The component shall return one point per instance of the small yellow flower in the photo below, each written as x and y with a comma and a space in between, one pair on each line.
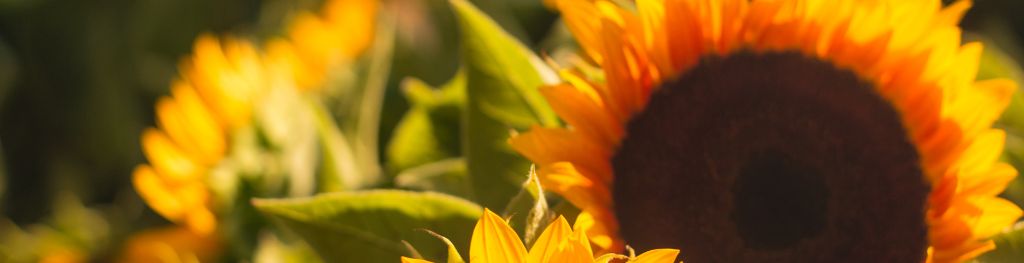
494, 241
219, 88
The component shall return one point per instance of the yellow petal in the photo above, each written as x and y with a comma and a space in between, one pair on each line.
171, 121
652, 15
998, 214
184, 202
983, 152
980, 172
494, 241
658, 256
564, 179
247, 67
315, 41
581, 18
282, 52
610, 257
547, 244
219, 82
622, 70
599, 232
167, 158
201, 126
354, 17
684, 35
951, 15
201, 220
584, 114
966, 65
995, 94
549, 145
989, 182
574, 249
156, 193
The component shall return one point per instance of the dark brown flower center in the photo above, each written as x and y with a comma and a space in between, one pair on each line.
771, 158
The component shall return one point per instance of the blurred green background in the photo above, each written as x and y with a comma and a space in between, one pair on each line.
79, 78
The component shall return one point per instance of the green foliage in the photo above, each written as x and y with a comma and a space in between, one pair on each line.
357, 110
425, 149
446, 176
429, 131
72, 227
502, 77
338, 170
373, 226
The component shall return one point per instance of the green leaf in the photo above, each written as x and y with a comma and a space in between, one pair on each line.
366, 142
370, 226
429, 131
338, 170
1009, 247
357, 103
502, 78
446, 176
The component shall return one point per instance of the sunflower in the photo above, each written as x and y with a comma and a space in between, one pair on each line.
216, 95
494, 241
779, 130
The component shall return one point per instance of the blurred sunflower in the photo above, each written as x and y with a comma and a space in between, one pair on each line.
220, 87
494, 241
780, 130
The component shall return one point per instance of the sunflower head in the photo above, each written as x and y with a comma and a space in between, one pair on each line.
494, 241
221, 86
786, 130
214, 96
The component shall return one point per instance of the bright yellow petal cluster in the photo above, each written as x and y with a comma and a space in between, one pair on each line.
910, 49
494, 241
316, 43
216, 94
